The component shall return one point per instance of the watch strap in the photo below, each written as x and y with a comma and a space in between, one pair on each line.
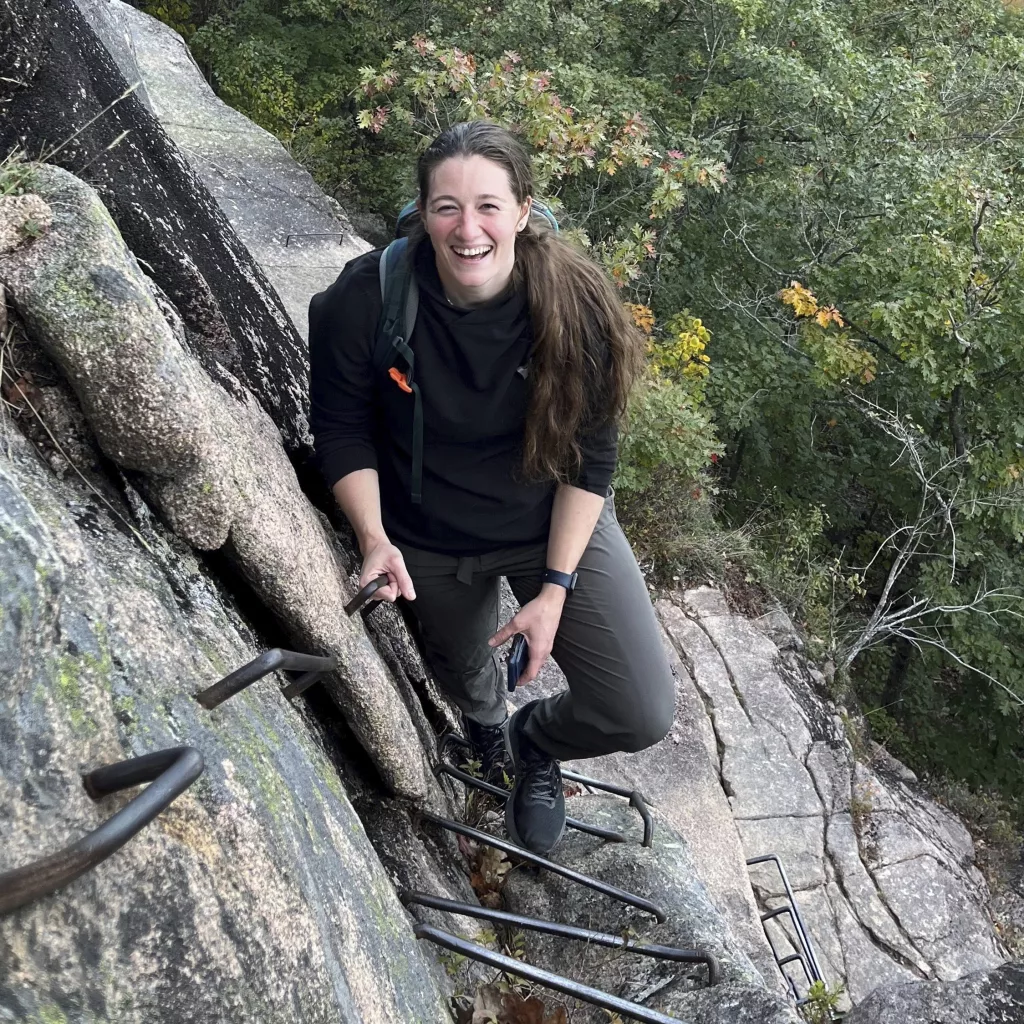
560, 579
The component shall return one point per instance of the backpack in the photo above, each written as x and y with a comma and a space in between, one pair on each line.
399, 302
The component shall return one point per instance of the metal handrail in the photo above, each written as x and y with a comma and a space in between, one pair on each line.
574, 876
566, 931
537, 974
168, 772
273, 660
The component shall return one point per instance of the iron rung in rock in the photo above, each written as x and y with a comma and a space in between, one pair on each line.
536, 974
806, 956
566, 931
574, 876
168, 772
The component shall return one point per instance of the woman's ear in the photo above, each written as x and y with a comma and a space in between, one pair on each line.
525, 218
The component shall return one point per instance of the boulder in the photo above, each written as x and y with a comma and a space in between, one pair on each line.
214, 466
985, 997
63, 97
257, 895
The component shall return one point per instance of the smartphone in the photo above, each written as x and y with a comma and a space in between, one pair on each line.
517, 659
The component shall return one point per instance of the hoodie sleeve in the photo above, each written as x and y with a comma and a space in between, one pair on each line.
600, 450
342, 331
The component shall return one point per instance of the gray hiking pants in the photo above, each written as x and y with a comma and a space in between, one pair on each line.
621, 692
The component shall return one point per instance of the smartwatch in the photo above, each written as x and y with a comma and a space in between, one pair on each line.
560, 579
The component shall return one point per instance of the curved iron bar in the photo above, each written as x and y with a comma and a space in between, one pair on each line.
270, 661
366, 593
536, 974
566, 931
574, 876
503, 794
803, 935
168, 772
635, 797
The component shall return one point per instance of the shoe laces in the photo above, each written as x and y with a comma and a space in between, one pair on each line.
542, 779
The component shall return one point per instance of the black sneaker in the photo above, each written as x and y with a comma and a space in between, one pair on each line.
535, 812
487, 745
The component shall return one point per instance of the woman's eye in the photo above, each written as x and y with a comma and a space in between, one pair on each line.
444, 209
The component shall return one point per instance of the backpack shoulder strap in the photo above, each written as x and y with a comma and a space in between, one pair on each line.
399, 304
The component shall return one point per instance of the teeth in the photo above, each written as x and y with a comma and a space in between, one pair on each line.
478, 251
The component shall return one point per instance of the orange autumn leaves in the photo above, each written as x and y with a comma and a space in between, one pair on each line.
822, 334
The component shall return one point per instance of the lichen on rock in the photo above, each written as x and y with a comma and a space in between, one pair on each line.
22, 218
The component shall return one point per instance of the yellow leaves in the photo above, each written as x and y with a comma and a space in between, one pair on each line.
642, 316
800, 299
682, 353
836, 356
1013, 472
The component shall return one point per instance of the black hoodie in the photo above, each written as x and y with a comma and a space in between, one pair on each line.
471, 367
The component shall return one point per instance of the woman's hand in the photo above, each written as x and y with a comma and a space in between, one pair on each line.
381, 557
538, 621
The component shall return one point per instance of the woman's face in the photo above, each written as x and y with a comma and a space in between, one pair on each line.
472, 218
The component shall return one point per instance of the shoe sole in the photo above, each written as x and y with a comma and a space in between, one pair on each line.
510, 827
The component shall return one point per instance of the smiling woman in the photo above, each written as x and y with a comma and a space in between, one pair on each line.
524, 360
473, 232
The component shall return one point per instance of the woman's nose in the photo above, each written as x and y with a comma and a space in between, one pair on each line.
468, 224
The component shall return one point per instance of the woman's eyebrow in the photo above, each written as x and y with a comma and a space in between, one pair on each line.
452, 199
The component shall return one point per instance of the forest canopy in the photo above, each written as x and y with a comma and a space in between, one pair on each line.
814, 211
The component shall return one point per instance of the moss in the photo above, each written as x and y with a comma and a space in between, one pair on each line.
48, 1015
249, 746
71, 671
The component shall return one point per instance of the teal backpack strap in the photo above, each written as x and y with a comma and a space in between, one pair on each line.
399, 304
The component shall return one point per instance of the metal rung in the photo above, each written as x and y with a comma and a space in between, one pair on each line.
536, 974
168, 772
635, 797
806, 957
566, 931
273, 660
503, 794
574, 876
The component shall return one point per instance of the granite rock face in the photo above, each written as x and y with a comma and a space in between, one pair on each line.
300, 238
257, 895
993, 997
884, 876
214, 466
665, 874
55, 77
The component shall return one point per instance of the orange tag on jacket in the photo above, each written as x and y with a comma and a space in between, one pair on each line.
399, 378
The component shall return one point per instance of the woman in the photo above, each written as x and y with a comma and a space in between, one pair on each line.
524, 359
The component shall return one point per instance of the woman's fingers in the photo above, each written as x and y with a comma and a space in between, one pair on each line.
387, 559
508, 630
537, 659
402, 577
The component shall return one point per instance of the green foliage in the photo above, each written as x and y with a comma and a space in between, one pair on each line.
822, 1003
834, 190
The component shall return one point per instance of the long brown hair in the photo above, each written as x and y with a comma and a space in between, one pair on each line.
586, 350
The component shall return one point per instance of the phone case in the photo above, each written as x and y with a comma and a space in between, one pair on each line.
517, 659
